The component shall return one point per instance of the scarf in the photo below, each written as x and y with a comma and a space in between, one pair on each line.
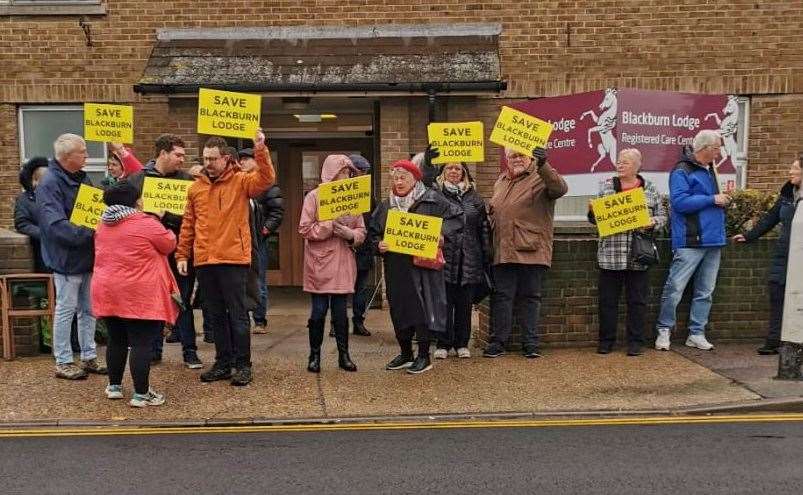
404, 203
458, 189
116, 213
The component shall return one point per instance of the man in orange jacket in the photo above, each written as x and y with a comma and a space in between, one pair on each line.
215, 233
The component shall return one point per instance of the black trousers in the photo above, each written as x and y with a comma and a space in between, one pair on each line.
458, 322
139, 335
777, 293
404, 336
636, 285
223, 290
519, 283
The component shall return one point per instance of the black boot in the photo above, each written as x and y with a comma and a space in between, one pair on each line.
342, 338
315, 341
359, 329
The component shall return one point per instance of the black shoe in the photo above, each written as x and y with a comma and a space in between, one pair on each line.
420, 365
172, 338
314, 365
400, 362
242, 376
493, 351
192, 362
531, 353
767, 350
634, 349
604, 348
359, 329
156, 359
216, 373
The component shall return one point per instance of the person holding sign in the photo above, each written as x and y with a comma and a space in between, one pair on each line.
617, 268
416, 294
330, 269
215, 233
698, 234
69, 250
521, 211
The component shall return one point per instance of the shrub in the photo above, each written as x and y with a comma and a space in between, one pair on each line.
747, 206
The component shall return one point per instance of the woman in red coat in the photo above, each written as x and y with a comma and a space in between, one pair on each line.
132, 288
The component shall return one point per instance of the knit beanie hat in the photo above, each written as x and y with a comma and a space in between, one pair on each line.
408, 166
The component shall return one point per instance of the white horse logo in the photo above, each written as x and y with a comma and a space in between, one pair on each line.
727, 128
606, 121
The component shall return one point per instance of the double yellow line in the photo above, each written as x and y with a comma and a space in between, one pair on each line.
409, 425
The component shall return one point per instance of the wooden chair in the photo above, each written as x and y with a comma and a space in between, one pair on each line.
9, 312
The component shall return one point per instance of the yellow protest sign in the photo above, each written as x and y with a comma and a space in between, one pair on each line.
621, 212
457, 141
224, 113
520, 132
88, 207
411, 233
344, 197
160, 194
109, 123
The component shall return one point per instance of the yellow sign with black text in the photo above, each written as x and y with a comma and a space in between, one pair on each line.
160, 194
344, 197
520, 132
414, 234
621, 212
109, 123
225, 113
88, 207
457, 141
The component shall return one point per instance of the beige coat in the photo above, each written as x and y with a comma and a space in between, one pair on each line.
521, 213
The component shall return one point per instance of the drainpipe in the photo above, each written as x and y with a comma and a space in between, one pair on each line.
431, 105
790, 356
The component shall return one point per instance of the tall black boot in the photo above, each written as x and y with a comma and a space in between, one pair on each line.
342, 339
315, 341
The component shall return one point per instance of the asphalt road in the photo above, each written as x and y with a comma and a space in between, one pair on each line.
676, 459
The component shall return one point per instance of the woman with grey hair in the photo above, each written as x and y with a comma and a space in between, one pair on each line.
617, 266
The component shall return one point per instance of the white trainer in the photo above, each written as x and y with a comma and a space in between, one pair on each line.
662, 341
114, 391
463, 352
700, 342
441, 353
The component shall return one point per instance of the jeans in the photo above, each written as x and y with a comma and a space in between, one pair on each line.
458, 322
223, 288
519, 283
138, 335
703, 265
320, 305
636, 284
362, 292
777, 294
73, 297
261, 311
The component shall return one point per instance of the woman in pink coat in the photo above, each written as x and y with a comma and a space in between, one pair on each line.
329, 266
132, 288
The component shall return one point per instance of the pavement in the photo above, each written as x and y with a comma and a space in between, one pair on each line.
573, 381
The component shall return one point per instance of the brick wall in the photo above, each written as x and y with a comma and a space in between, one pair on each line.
569, 306
16, 257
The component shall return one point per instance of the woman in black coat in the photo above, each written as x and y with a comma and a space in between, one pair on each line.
468, 258
26, 218
416, 296
782, 212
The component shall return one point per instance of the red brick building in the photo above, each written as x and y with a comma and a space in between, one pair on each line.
382, 68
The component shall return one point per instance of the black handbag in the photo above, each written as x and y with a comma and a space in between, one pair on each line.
643, 249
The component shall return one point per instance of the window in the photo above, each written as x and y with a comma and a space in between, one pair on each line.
51, 7
41, 125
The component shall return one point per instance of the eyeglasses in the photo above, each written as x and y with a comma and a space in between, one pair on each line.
209, 159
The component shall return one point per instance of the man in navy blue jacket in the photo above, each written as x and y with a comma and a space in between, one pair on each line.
698, 234
69, 250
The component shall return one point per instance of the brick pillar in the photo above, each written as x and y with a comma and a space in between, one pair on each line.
16, 256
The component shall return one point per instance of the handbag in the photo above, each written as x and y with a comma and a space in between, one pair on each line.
430, 264
643, 249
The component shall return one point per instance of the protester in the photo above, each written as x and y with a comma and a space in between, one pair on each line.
26, 217
114, 171
132, 288
69, 251
167, 164
216, 234
468, 259
698, 234
121, 163
268, 211
329, 266
782, 212
416, 295
617, 268
521, 212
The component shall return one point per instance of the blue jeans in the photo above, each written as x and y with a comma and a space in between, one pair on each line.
73, 296
703, 265
260, 314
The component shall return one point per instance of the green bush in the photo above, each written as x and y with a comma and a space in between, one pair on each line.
747, 206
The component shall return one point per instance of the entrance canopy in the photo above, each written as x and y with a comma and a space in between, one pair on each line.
305, 60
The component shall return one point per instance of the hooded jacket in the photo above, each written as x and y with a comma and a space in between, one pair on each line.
66, 248
26, 218
329, 264
696, 221
132, 278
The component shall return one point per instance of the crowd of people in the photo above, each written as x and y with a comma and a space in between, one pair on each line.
143, 273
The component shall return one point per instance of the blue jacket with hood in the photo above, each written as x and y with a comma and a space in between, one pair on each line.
697, 222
